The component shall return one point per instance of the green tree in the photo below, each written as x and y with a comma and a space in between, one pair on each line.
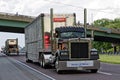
114, 24
102, 46
102, 22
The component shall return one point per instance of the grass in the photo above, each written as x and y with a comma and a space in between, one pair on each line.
114, 59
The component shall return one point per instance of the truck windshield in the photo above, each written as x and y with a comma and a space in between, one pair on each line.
72, 35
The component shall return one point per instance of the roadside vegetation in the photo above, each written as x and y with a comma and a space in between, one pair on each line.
106, 49
114, 59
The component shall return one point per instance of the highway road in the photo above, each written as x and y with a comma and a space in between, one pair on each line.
11, 69
15, 68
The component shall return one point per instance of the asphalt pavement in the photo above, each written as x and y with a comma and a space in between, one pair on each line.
15, 68
11, 69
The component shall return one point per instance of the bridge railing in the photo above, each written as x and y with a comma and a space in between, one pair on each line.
16, 17
15, 14
104, 29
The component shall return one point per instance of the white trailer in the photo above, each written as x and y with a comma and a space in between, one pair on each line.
34, 32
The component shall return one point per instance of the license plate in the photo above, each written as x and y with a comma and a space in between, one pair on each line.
79, 63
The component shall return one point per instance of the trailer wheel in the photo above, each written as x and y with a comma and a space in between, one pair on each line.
94, 70
17, 54
42, 62
28, 61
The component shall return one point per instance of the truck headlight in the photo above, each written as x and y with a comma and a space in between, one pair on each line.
94, 51
64, 53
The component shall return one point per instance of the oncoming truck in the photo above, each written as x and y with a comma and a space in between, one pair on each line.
58, 45
11, 47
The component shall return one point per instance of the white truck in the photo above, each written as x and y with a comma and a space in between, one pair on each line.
11, 47
63, 45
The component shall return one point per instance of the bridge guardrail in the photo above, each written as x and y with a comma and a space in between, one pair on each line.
16, 17
16, 14
103, 29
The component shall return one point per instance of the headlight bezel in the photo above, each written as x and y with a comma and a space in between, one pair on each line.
64, 53
94, 51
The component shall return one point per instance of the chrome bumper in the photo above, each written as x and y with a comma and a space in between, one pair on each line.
78, 65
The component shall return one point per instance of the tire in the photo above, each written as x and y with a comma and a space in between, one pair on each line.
28, 61
94, 70
8, 54
59, 71
42, 62
17, 54
26, 55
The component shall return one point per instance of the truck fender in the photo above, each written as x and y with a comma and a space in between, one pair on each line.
46, 58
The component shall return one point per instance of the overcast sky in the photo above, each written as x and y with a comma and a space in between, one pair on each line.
97, 9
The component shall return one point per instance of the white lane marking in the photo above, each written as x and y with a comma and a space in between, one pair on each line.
105, 73
35, 70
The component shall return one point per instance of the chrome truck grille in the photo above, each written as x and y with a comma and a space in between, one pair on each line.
79, 50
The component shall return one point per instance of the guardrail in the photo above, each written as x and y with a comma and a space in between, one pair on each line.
16, 16
104, 29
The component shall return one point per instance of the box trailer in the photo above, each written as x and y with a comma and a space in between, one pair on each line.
60, 44
35, 31
11, 47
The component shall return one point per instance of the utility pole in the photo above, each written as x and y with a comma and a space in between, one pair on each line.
74, 24
51, 20
85, 21
92, 31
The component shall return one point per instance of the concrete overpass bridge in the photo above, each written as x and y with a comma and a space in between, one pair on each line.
16, 23
104, 34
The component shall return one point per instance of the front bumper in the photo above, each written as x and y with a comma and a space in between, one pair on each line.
78, 65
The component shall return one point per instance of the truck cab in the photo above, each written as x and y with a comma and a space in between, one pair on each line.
72, 51
11, 47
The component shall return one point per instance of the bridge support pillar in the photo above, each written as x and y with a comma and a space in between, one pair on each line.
115, 49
